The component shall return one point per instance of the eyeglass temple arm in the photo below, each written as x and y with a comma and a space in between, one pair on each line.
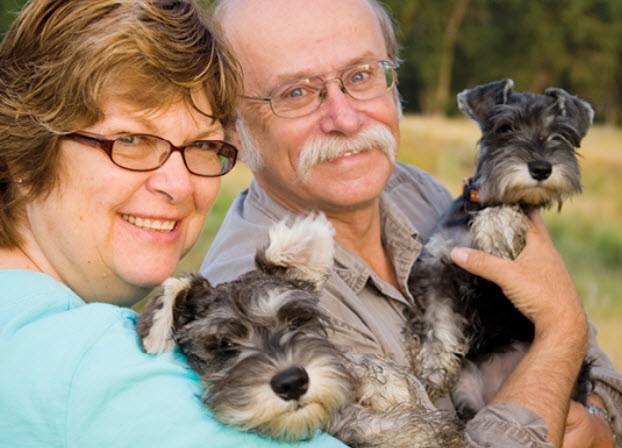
257, 98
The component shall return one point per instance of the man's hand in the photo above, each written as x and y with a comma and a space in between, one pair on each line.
585, 430
539, 285
537, 282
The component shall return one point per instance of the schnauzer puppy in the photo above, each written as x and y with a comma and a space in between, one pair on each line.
260, 345
468, 330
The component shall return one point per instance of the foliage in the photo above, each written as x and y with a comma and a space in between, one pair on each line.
573, 44
8, 11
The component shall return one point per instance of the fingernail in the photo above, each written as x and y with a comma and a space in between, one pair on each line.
459, 255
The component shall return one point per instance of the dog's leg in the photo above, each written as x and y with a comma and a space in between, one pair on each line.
437, 345
381, 384
499, 231
468, 394
399, 427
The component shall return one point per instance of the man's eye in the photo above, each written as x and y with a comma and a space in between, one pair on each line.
295, 93
359, 77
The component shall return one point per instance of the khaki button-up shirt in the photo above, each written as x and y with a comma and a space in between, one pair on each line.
368, 313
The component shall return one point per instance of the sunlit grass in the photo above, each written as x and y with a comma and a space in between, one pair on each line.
587, 232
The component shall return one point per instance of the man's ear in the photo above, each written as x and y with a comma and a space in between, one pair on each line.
250, 152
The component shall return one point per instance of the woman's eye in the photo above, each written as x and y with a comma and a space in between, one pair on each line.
205, 145
128, 139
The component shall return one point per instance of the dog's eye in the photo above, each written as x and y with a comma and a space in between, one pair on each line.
300, 321
504, 129
227, 348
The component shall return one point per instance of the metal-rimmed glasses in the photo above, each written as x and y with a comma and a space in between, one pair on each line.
298, 97
144, 152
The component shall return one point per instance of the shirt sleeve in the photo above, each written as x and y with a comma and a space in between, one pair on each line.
512, 425
607, 384
507, 425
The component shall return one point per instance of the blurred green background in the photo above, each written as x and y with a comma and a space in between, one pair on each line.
448, 45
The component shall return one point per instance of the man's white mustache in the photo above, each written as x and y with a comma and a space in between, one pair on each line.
325, 149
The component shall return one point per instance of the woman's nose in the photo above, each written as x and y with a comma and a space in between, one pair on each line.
172, 179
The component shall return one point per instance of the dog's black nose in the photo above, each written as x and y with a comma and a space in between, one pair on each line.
540, 170
291, 383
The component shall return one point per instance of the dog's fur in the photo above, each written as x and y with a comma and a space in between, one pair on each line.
260, 345
469, 336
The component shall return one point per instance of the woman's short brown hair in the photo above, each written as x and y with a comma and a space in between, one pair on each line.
59, 59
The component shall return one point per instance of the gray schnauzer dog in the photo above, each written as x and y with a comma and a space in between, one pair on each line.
260, 344
469, 336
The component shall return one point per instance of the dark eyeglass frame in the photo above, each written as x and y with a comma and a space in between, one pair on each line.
322, 93
107, 144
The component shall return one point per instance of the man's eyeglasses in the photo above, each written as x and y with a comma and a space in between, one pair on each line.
299, 97
142, 152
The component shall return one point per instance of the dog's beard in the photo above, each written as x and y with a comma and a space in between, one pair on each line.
325, 149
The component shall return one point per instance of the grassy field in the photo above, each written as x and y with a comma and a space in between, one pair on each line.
588, 231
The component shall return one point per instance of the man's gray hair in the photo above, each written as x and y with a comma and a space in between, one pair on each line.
251, 154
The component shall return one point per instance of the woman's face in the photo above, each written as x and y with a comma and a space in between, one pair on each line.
106, 231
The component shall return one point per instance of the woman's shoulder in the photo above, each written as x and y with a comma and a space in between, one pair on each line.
45, 332
74, 374
36, 306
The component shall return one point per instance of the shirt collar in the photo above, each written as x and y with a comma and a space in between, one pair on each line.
399, 236
400, 239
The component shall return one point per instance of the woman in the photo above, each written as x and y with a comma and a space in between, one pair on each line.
111, 148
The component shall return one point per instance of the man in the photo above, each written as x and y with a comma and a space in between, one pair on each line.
319, 128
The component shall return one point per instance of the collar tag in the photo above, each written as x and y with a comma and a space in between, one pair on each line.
469, 193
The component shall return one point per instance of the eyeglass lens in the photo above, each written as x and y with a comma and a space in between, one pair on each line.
204, 157
362, 82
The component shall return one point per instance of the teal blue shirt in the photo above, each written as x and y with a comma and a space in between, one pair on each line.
73, 375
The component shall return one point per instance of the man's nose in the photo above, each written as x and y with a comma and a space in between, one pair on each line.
339, 111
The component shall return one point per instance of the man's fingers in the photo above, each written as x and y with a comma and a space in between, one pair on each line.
479, 263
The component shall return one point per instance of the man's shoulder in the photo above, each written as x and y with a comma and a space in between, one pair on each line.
244, 228
410, 178
416, 195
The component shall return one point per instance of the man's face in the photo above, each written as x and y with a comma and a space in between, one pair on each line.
279, 40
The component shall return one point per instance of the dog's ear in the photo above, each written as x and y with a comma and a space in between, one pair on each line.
477, 103
302, 251
579, 112
165, 313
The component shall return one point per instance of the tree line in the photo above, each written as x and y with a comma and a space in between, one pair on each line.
449, 45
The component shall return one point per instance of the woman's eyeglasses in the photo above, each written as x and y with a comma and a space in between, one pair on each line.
143, 152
